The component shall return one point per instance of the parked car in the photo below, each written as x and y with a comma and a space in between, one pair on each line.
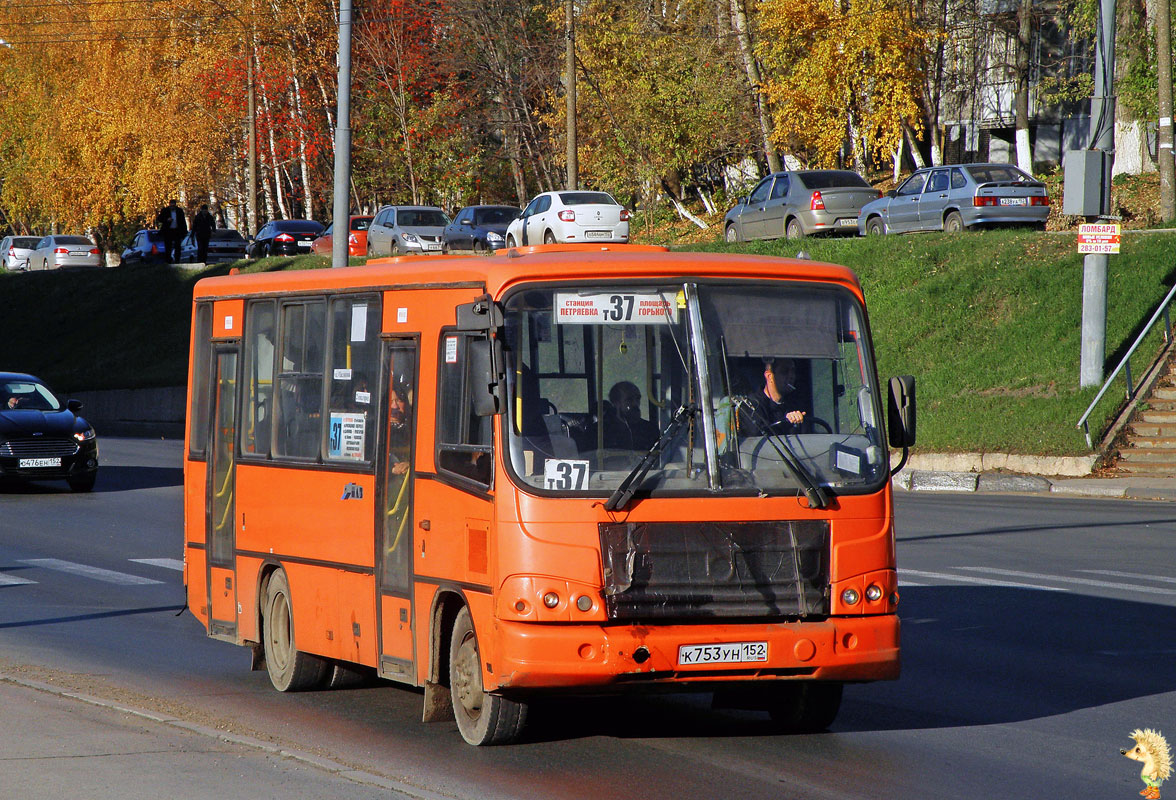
42, 437
224, 245
15, 251
57, 251
570, 216
401, 230
479, 228
284, 237
953, 198
356, 238
797, 203
145, 248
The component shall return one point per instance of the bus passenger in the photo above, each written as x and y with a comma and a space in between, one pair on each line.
777, 407
624, 427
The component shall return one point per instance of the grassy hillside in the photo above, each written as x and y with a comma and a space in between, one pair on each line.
989, 323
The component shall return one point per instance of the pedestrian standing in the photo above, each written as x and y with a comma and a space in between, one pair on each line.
174, 226
202, 226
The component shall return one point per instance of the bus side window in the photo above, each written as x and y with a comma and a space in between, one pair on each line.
298, 417
464, 440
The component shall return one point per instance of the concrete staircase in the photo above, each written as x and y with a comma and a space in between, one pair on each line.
1148, 448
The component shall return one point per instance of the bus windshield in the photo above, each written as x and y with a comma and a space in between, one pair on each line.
747, 388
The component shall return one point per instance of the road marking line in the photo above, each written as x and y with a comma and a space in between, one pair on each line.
1113, 574
1128, 587
166, 563
12, 580
98, 574
982, 581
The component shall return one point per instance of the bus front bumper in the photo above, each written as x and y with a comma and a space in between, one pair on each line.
592, 657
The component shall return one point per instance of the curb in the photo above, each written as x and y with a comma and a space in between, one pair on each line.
909, 481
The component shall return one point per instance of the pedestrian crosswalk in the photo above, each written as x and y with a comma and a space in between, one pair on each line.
27, 571
1081, 580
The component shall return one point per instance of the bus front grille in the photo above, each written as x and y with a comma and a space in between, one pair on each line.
695, 570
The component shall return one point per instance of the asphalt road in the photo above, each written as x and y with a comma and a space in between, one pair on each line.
1036, 636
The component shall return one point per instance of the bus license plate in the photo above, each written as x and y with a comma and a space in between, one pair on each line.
27, 463
726, 653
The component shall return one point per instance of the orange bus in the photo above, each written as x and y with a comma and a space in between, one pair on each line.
564, 468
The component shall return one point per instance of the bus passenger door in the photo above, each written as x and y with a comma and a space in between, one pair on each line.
394, 526
221, 525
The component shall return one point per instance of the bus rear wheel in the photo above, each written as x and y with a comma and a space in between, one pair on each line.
805, 706
290, 669
482, 718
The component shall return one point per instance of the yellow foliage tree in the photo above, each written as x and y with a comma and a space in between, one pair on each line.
836, 73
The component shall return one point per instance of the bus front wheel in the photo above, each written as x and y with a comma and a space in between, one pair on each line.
482, 718
290, 669
805, 706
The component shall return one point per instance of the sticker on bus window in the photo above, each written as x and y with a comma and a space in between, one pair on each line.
359, 322
628, 308
342, 374
565, 474
346, 439
363, 397
450, 349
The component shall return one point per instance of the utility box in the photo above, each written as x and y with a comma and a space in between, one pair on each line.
1087, 190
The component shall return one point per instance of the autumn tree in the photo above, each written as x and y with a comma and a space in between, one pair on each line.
841, 77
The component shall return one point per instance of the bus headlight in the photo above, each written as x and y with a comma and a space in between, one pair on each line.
551, 599
850, 597
873, 592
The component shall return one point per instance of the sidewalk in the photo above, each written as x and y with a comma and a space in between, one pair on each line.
61, 744
1004, 474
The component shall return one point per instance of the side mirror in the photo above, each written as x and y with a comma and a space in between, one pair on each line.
74, 405
487, 384
892, 193
900, 412
467, 221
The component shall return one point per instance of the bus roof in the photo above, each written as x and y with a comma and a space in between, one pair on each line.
527, 264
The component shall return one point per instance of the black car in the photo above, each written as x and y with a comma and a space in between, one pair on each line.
43, 438
284, 237
478, 228
146, 248
225, 244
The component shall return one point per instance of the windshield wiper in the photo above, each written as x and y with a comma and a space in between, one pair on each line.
624, 493
808, 484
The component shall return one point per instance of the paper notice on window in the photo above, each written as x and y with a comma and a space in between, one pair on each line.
450, 349
346, 440
359, 322
609, 308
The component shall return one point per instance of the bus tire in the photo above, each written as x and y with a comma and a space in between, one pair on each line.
482, 718
290, 669
805, 706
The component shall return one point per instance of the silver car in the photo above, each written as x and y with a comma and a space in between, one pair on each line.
15, 251
404, 230
57, 251
798, 203
954, 198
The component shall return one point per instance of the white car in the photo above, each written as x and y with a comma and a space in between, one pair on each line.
570, 216
56, 251
15, 250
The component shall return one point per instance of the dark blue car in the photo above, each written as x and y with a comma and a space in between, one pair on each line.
43, 437
478, 228
145, 248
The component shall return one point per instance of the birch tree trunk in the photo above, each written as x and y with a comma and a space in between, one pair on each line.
743, 34
1021, 97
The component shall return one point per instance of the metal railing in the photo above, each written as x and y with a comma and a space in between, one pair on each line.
1125, 366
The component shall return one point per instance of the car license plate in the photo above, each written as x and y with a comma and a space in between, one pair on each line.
304, 244
79, 253
1014, 201
845, 222
432, 246
597, 234
725, 653
28, 463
